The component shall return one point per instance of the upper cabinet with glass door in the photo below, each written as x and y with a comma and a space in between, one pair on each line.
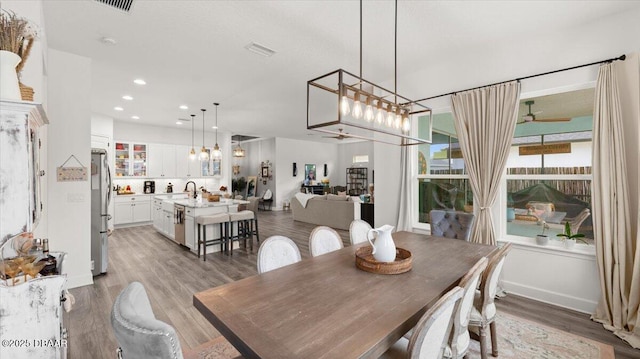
130, 159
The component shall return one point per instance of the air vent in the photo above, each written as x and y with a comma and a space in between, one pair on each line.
122, 5
241, 138
260, 49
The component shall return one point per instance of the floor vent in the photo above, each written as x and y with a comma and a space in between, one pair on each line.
122, 5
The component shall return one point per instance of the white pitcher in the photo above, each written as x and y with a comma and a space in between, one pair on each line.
384, 250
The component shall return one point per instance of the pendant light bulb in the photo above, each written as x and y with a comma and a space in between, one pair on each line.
357, 107
390, 116
368, 111
344, 102
192, 153
406, 122
204, 156
380, 113
397, 121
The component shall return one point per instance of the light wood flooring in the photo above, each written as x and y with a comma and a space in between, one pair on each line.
171, 275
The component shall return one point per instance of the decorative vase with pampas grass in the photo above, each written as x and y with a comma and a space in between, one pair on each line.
17, 36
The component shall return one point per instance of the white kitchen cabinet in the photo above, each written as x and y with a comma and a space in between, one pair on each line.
130, 159
190, 236
132, 209
162, 160
168, 224
157, 214
20, 172
185, 167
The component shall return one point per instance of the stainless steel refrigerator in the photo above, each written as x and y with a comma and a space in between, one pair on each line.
100, 198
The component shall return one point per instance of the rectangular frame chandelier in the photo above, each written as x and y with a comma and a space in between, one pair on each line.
346, 105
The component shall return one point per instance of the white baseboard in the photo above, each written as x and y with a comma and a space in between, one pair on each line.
545, 296
79, 280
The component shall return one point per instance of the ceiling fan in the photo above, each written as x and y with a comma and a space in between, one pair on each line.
341, 136
531, 116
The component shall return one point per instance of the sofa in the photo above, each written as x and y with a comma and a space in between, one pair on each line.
327, 210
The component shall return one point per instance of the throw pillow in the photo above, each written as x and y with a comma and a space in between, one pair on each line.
342, 193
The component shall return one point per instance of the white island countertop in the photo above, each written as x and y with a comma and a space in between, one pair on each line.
206, 204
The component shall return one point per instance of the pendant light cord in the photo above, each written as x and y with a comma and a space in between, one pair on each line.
360, 44
203, 110
395, 55
193, 118
216, 122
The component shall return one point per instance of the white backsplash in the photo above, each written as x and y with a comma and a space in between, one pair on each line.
137, 184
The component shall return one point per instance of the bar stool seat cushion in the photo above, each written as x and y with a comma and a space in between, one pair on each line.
212, 219
241, 216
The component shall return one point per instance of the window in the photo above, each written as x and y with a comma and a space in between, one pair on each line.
361, 159
548, 174
442, 181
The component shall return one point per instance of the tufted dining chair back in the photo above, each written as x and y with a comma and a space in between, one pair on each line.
451, 224
139, 334
276, 252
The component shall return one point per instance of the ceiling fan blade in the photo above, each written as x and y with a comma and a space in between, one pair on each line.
565, 119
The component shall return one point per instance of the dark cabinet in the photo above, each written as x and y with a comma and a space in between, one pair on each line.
367, 213
357, 181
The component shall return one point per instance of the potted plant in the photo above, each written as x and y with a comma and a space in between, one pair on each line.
16, 40
542, 239
570, 238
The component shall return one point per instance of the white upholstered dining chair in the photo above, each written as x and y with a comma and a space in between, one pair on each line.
276, 252
323, 240
483, 313
430, 335
358, 231
138, 332
460, 339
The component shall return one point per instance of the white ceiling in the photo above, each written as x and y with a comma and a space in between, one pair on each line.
192, 52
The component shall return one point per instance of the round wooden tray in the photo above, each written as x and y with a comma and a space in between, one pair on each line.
366, 262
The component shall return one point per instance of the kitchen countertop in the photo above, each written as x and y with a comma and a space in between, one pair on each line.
205, 204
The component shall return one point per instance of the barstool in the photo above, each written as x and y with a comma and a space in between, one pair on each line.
203, 221
247, 224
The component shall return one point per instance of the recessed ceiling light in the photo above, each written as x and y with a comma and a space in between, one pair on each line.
184, 107
127, 97
139, 82
214, 127
118, 108
178, 122
135, 117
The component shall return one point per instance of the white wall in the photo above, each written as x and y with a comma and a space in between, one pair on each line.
387, 186
346, 151
301, 152
69, 133
256, 152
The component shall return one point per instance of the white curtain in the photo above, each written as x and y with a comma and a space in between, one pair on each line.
406, 202
617, 250
485, 120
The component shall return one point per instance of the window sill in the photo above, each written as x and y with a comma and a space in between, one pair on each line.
555, 247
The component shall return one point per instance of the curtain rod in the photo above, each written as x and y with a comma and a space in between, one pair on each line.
621, 58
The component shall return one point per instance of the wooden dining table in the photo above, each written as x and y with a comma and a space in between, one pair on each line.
325, 307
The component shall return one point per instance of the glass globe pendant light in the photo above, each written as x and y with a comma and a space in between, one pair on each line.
216, 153
204, 156
192, 153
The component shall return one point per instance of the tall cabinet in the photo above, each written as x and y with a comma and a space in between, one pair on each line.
20, 172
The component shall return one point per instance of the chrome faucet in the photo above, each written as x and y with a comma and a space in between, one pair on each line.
195, 192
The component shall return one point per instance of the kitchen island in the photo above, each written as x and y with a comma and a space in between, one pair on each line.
183, 228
